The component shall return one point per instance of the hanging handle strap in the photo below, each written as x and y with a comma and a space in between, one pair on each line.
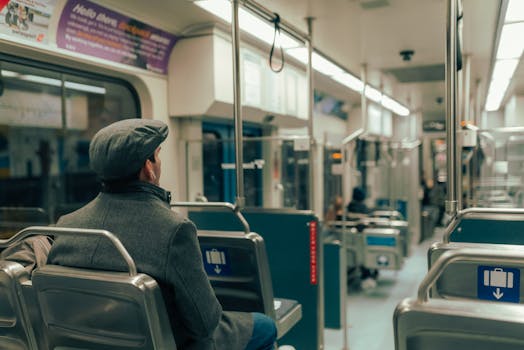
276, 22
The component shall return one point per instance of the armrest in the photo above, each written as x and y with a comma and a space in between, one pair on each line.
287, 312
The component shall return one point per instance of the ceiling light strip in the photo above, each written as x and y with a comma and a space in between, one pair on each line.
508, 54
262, 30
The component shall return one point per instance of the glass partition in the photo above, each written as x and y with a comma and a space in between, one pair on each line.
494, 170
275, 171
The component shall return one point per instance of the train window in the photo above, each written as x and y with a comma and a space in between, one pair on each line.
212, 151
219, 164
276, 169
48, 117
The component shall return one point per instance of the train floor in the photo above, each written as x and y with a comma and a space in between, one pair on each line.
370, 313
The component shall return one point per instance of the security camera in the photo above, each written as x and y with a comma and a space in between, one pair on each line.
407, 54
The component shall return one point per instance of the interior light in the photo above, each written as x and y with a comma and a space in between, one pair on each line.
394, 106
336, 155
510, 42
220, 8
248, 22
264, 31
496, 92
504, 69
373, 94
86, 88
55, 82
325, 66
41, 80
515, 11
9, 74
299, 53
350, 81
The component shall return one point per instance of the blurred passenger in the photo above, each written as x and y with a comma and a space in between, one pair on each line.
164, 245
427, 186
335, 210
368, 277
357, 204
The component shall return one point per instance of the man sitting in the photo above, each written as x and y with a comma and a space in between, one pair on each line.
163, 244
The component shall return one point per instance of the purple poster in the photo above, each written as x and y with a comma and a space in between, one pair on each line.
97, 31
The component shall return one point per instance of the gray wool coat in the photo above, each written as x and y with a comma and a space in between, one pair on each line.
164, 246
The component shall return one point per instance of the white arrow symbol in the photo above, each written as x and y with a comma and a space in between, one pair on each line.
498, 294
218, 269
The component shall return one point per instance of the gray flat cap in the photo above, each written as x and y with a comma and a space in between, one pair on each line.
119, 150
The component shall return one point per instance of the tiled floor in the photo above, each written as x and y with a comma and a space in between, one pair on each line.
370, 314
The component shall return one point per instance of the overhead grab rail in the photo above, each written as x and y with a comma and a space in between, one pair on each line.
224, 205
265, 13
465, 255
72, 232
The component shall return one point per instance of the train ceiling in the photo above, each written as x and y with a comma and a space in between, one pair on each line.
372, 31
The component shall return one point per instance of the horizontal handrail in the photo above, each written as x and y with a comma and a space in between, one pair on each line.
72, 232
224, 205
352, 136
472, 211
467, 255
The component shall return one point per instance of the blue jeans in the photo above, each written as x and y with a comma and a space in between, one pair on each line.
264, 333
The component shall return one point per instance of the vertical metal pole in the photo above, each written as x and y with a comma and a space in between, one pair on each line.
363, 98
311, 92
312, 185
465, 116
237, 106
467, 88
451, 105
478, 93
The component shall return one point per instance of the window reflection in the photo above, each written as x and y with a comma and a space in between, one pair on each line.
47, 119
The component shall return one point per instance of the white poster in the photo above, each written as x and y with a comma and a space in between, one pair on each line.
26, 19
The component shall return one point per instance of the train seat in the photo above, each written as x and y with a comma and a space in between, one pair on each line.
16, 328
374, 244
238, 269
400, 225
487, 225
383, 248
460, 323
388, 214
91, 309
465, 279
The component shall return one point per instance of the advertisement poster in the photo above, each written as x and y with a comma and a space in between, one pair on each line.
27, 19
97, 31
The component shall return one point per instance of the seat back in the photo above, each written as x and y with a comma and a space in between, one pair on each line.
401, 225
431, 324
487, 225
476, 280
383, 248
238, 269
90, 309
94, 309
452, 324
16, 329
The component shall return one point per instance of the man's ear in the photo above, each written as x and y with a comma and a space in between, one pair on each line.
147, 173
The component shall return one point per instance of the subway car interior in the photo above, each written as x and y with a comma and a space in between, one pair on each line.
354, 168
